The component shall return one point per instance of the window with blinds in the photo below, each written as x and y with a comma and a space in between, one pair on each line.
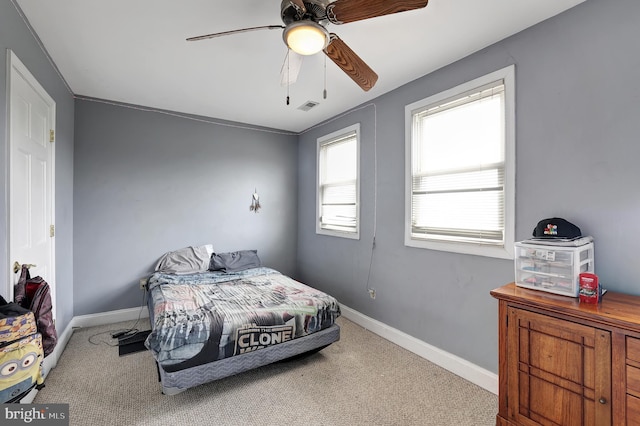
460, 169
338, 183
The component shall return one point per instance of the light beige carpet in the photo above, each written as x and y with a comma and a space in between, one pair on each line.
360, 380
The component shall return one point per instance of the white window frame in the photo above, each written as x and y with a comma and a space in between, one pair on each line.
328, 139
504, 250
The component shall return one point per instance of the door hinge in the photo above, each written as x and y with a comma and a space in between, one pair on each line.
52, 135
52, 231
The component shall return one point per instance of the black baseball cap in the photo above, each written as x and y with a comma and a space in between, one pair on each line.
556, 228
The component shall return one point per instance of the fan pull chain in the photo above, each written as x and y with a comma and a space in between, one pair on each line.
288, 77
324, 92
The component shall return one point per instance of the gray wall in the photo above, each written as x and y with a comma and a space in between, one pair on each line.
15, 35
149, 182
578, 120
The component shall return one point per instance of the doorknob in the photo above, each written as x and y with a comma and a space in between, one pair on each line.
17, 266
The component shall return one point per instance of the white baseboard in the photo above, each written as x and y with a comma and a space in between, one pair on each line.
52, 359
28, 398
110, 317
459, 366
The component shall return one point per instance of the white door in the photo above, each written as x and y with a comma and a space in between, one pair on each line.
31, 176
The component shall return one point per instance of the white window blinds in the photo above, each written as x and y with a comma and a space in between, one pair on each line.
458, 168
338, 183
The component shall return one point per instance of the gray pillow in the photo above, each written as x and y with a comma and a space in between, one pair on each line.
234, 261
186, 260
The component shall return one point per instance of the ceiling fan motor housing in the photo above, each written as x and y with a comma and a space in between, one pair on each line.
315, 11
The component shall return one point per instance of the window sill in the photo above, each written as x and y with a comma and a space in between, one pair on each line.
477, 249
348, 235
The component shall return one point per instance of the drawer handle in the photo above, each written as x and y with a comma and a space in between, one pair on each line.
602, 401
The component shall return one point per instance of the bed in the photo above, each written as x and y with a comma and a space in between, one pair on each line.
210, 324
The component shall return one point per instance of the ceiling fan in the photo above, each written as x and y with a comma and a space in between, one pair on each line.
305, 31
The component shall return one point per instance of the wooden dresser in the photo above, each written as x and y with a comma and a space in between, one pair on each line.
566, 363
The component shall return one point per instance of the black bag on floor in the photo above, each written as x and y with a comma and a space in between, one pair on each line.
21, 353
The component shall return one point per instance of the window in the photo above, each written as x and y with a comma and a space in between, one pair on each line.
338, 208
460, 168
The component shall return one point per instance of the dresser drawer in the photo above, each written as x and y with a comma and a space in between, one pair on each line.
633, 349
633, 380
633, 410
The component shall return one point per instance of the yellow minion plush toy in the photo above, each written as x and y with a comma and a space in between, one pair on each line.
20, 367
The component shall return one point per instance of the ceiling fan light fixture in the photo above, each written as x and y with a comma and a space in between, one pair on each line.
305, 37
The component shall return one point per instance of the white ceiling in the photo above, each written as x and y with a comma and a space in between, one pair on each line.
135, 52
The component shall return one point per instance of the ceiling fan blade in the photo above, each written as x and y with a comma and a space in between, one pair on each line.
290, 68
344, 11
242, 30
350, 63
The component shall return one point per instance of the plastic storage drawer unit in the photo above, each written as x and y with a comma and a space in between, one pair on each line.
555, 269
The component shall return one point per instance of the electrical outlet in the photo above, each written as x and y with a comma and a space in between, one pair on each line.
372, 293
143, 283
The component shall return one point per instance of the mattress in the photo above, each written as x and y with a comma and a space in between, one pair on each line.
201, 319
176, 382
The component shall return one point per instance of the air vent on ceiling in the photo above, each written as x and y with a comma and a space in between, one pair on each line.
308, 105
